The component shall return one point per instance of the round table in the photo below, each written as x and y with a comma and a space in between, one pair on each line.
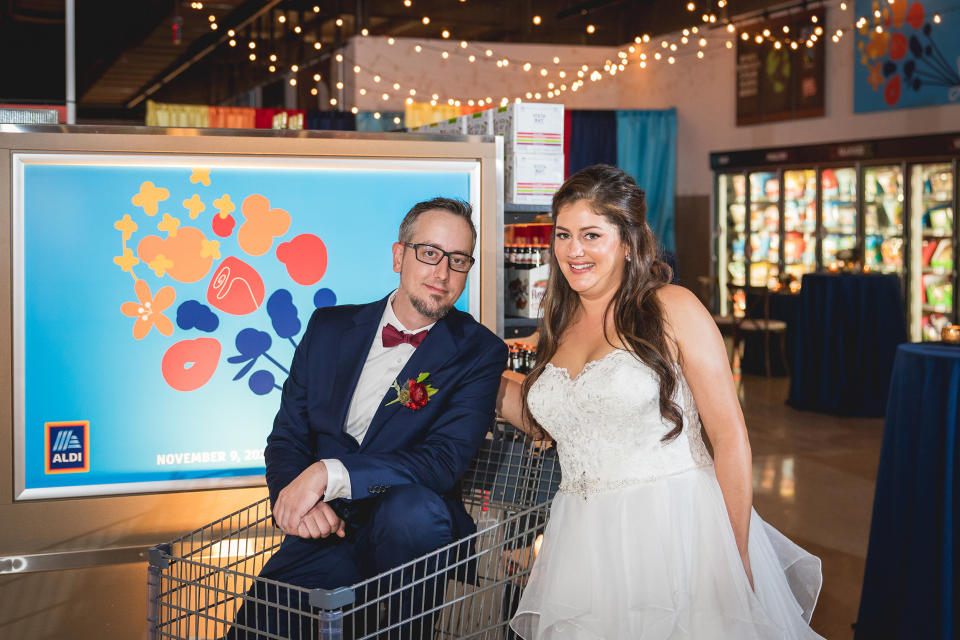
846, 335
911, 585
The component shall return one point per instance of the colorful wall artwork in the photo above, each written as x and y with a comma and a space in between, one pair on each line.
158, 303
907, 54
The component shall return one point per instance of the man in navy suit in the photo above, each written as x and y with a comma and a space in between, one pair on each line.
361, 484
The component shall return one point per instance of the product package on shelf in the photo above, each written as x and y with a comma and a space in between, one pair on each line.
530, 127
532, 178
481, 123
452, 126
524, 289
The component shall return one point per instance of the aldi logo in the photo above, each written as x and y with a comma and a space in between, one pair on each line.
67, 447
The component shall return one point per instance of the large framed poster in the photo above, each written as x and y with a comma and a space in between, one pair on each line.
780, 77
907, 54
158, 300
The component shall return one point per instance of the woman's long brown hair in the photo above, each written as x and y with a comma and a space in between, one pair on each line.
637, 313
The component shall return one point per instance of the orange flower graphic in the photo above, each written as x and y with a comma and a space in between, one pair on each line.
148, 310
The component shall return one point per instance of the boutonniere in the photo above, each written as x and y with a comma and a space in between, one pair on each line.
415, 393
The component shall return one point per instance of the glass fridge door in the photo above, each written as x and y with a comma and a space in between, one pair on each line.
764, 228
883, 218
931, 260
732, 213
799, 222
839, 188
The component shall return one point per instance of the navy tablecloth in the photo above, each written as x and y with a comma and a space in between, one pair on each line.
785, 307
847, 331
911, 586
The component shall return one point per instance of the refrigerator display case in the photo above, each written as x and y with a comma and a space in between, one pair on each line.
887, 204
839, 227
883, 218
932, 209
764, 228
799, 222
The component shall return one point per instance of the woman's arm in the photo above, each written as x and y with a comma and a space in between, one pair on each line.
705, 366
510, 404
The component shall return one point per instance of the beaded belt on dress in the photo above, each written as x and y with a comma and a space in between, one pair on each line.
585, 486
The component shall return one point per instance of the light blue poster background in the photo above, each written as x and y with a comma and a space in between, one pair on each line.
81, 360
914, 61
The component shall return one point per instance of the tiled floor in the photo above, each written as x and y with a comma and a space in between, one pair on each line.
814, 477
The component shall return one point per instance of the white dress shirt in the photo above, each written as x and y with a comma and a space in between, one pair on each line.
380, 369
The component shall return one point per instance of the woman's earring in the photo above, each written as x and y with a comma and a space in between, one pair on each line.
628, 257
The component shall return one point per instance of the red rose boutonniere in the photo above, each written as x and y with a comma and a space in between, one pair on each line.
415, 393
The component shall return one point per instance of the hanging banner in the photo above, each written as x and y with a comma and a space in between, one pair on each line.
158, 301
780, 69
907, 56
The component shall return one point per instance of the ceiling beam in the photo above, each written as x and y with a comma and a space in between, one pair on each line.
242, 16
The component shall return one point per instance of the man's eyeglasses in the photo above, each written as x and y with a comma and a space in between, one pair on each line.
429, 254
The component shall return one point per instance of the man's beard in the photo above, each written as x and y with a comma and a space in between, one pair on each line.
427, 311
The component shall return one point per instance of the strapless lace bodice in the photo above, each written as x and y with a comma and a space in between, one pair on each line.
607, 424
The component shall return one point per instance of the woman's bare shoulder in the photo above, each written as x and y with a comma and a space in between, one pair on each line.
683, 311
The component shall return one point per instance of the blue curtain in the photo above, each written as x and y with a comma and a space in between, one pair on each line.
593, 139
647, 150
335, 120
366, 121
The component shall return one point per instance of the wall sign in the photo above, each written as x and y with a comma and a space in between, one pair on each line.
909, 56
781, 83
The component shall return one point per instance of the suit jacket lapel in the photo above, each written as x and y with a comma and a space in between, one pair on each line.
439, 346
354, 346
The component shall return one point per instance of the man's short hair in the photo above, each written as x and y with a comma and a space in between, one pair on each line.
456, 207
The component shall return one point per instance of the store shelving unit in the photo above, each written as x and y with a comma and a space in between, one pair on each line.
795, 210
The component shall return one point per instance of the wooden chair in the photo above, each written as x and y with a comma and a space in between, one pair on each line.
709, 287
753, 319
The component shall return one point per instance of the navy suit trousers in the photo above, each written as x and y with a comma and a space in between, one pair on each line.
384, 532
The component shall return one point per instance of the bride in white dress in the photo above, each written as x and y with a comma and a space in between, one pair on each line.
648, 537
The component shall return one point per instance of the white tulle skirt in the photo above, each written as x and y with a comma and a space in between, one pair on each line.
658, 561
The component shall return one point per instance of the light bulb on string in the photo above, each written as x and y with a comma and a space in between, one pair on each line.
591, 28
396, 120
297, 29
417, 48
314, 91
317, 45
339, 22
293, 82
425, 20
391, 41
472, 58
339, 57
333, 101
463, 44
536, 19
444, 34
363, 32
396, 86
316, 77
340, 85
282, 18
363, 92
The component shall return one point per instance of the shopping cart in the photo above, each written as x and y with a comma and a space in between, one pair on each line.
197, 583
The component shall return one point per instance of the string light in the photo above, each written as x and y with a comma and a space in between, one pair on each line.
536, 19
591, 28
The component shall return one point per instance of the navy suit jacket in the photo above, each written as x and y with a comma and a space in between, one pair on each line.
432, 446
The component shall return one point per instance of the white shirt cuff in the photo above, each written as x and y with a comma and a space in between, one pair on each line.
338, 480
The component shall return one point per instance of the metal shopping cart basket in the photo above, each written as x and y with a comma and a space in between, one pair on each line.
197, 583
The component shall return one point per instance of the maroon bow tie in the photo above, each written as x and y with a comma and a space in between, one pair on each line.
393, 336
